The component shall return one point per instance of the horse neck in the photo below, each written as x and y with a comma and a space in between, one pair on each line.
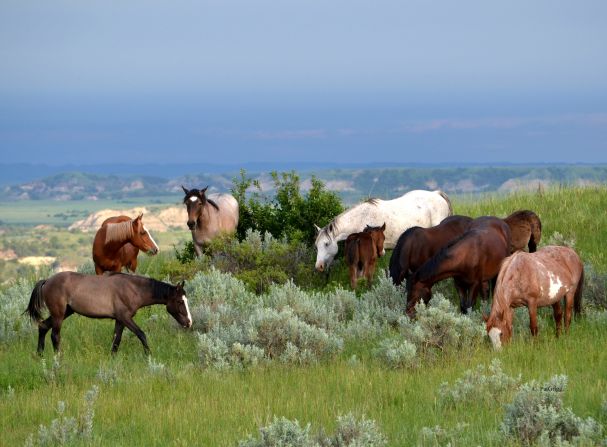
348, 222
115, 245
432, 272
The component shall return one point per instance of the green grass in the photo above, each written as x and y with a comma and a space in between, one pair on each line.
64, 213
186, 405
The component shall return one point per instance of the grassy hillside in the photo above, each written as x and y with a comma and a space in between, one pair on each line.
177, 399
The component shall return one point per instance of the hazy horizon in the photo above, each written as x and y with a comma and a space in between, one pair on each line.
320, 82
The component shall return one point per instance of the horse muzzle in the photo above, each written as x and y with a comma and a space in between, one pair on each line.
153, 251
191, 224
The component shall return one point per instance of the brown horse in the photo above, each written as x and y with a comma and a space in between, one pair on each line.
525, 230
117, 244
471, 260
209, 216
535, 280
416, 245
113, 295
362, 250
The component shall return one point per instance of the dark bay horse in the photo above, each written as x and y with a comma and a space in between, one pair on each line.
117, 244
525, 230
361, 252
471, 259
209, 216
113, 295
534, 280
416, 245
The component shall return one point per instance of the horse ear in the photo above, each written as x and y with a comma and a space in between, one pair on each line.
318, 229
181, 284
202, 191
185, 190
383, 227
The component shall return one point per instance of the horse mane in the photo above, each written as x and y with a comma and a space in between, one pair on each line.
212, 202
498, 294
372, 201
118, 232
161, 289
195, 193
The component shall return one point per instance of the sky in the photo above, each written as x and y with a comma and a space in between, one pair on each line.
351, 81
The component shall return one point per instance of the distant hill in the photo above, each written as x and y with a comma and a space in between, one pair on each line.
351, 183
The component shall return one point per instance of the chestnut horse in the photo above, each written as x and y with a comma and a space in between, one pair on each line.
525, 230
209, 216
362, 250
416, 245
471, 259
113, 295
535, 280
117, 244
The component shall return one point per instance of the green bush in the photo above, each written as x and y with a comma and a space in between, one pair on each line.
288, 214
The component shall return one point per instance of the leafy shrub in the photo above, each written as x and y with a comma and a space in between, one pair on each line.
537, 415
65, 430
13, 301
397, 353
439, 327
439, 436
594, 293
350, 432
288, 213
476, 385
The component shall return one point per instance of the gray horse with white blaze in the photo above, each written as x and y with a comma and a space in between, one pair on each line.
209, 216
415, 208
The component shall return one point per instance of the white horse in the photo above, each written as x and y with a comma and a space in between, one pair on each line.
415, 208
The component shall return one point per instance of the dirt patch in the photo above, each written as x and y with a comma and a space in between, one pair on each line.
163, 220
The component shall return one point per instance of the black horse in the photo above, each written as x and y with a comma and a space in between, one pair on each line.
113, 295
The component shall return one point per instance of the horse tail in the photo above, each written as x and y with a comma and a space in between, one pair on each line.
448, 200
36, 304
577, 298
352, 252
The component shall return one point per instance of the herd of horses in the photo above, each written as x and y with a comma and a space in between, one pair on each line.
429, 244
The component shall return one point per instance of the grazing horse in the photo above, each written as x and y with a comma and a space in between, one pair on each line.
421, 208
117, 244
362, 250
416, 245
209, 216
471, 259
113, 295
535, 280
525, 229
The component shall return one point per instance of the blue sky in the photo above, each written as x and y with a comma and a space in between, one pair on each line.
303, 81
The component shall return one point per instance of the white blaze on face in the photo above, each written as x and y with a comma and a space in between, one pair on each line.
494, 335
555, 286
187, 308
151, 238
193, 199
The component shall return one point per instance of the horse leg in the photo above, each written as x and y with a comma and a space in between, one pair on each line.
56, 333
353, 274
98, 270
568, 308
533, 319
43, 328
118, 328
462, 291
370, 270
198, 250
128, 322
558, 316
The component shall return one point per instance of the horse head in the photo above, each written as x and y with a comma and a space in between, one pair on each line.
194, 200
326, 247
142, 239
377, 233
499, 328
416, 291
177, 306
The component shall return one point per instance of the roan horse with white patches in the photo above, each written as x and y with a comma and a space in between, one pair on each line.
117, 244
209, 216
415, 208
535, 280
